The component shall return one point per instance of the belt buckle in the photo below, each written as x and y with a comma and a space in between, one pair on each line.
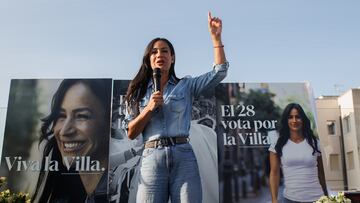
162, 142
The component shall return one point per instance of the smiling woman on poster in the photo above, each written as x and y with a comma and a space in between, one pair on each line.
75, 139
168, 167
297, 152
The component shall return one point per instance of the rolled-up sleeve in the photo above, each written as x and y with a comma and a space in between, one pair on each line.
210, 79
221, 67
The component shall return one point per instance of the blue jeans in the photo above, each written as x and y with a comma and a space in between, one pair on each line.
169, 171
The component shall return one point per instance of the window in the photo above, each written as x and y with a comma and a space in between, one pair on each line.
347, 127
334, 162
330, 127
350, 160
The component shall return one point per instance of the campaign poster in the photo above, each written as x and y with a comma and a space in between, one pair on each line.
125, 154
248, 118
56, 140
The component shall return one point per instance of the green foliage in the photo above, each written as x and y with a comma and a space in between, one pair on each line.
266, 109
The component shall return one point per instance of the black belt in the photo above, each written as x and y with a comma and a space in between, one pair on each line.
166, 141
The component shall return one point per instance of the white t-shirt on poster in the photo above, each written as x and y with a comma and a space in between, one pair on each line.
300, 171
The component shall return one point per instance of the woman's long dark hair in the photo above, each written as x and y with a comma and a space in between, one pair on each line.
101, 88
284, 131
137, 87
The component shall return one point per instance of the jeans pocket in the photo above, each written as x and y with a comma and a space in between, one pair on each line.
184, 147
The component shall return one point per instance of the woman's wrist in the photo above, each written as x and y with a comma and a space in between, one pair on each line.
148, 109
219, 46
216, 41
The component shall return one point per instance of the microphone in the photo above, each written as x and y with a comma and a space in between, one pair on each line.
157, 78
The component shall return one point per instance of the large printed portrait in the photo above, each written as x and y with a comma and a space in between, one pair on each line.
56, 140
248, 120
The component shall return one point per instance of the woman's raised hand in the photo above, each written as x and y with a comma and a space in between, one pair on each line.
215, 27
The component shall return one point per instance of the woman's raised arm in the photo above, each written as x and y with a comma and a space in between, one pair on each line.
215, 29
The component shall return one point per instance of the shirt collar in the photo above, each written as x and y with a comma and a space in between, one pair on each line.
172, 80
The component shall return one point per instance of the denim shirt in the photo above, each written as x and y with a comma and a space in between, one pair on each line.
173, 118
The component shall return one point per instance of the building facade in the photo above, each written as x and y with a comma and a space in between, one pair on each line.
338, 121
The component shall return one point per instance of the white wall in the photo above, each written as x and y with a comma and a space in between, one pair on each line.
328, 109
346, 102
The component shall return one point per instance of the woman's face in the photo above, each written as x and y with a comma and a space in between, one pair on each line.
295, 121
160, 56
81, 122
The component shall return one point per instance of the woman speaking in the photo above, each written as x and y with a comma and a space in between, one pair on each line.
162, 115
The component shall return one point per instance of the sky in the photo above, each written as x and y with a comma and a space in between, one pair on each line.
265, 41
